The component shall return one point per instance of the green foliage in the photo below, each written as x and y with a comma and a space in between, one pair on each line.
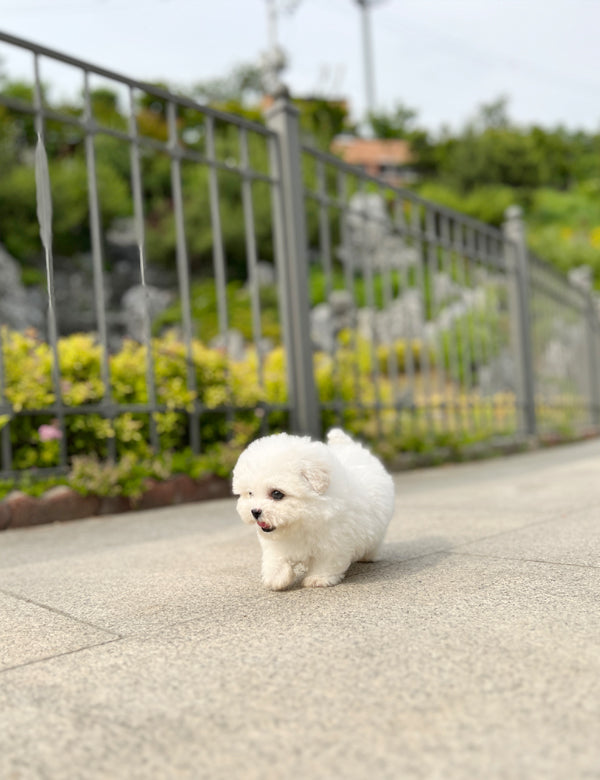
397, 124
321, 119
205, 307
200, 220
486, 203
69, 188
496, 156
403, 356
578, 207
18, 207
205, 311
493, 163
126, 477
564, 227
204, 377
438, 425
33, 486
242, 85
364, 291
480, 170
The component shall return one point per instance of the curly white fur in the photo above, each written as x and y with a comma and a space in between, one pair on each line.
317, 507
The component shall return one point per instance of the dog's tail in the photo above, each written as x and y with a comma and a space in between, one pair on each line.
337, 437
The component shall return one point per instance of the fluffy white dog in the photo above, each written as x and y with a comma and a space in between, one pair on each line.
317, 507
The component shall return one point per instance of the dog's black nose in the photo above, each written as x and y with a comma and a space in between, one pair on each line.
256, 513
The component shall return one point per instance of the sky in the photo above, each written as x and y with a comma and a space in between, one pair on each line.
442, 58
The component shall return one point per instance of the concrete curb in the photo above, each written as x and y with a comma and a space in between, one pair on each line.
19, 510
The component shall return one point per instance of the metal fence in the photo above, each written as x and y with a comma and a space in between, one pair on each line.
335, 298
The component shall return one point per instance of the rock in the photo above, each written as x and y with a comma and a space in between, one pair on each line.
499, 375
367, 214
114, 505
342, 307
5, 515
265, 345
321, 327
232, 343
582, 277
179, 489
563, 360
370, 238
24, 509
182, 489
403, 319
265, 274
56, 505
140, 302
14, 310
185, 489
156, 494
444, 288
122, 245
75, 294
328, 319
211, 487
122, 232
62, 503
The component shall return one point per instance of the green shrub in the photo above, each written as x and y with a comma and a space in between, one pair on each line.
205, 379
231, 398
127, 477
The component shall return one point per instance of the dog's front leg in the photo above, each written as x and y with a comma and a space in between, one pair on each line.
277, 573
324, 574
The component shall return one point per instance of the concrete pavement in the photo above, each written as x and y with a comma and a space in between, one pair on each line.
144, 646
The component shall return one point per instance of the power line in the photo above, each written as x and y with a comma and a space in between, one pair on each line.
463, 48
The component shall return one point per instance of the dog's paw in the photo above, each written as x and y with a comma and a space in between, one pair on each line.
280, 579
321, 580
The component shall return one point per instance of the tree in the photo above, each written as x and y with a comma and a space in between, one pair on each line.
397, 124
243, 85
494, 115
321, 119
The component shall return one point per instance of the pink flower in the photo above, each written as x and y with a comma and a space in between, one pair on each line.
50, 432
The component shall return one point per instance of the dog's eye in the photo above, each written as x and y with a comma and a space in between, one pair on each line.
277, 495
250, 493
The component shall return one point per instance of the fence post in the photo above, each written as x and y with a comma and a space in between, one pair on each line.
592, 327
292, 265
520, 316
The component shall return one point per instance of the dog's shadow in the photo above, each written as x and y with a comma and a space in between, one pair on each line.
399, 560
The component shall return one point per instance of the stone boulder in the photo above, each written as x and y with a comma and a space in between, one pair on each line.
140, 302
15, 310
328, 319
370, 237
403, 319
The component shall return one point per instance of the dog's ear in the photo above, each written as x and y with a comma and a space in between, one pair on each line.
317, 475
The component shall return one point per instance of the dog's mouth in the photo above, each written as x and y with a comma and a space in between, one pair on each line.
265, 526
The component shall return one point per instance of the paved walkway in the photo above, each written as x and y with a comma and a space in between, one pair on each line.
143, 645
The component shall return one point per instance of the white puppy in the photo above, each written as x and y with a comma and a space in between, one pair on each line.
317, 507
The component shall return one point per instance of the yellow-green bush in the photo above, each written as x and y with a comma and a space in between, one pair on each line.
27, 369
231, 398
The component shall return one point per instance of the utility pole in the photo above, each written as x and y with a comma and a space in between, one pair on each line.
274, 60
369, 71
